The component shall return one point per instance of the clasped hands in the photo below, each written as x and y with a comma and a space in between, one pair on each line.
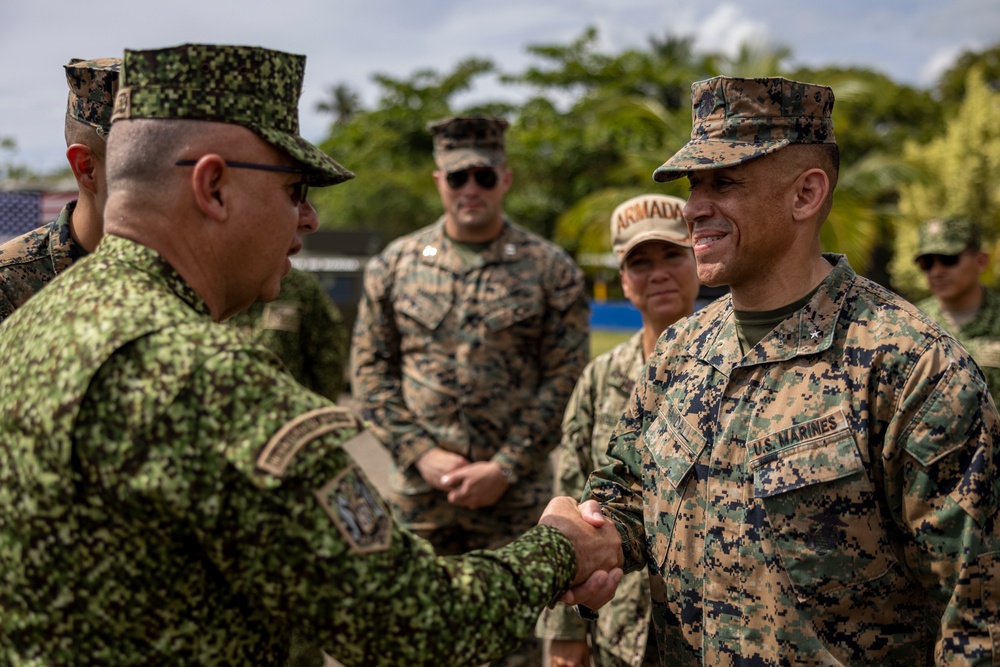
598, 547
470, 485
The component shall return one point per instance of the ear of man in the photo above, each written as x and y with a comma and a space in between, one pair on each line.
210, 187
83, 162
811, 192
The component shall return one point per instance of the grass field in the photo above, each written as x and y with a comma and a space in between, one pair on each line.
602, 340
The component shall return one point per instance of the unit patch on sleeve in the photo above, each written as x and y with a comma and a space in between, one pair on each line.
359, 515
294, 435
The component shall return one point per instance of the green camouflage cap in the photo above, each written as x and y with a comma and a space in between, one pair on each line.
251, 86
736, 120
949, 236
463, 143
92, 88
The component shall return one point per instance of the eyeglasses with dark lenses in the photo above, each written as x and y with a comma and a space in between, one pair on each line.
485, 178
926, 262
300, 190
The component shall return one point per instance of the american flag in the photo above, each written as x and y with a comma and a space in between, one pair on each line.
24, 210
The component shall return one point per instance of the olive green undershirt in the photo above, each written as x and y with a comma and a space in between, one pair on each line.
753, 325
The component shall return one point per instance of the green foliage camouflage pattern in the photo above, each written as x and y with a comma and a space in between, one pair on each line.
169, 495
828, 498
305, 329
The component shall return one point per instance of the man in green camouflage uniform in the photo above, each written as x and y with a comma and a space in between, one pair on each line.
950, 254
305, 329
30, 261
807, 468
168, 493
658, 274
470, 335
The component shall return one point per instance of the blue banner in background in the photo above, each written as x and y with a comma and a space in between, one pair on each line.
615, 316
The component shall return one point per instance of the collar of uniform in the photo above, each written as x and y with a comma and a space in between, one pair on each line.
63, 248
808, 331
438, 250
149, 261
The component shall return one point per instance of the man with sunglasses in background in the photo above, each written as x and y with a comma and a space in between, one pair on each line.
470, 336
950, 254
30, 261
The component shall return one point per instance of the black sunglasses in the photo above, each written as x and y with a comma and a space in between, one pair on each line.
300, 190
485, 178
926, 262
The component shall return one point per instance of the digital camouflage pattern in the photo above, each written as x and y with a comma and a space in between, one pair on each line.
829, 498
304, 329
28, 262
477, 355
735, 120
981, 336
947, 237
250, 86
466, 142
93, 85
169, 495
621, 634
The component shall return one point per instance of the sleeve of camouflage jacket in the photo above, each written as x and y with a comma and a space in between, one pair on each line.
297, 530
324, 342
573, 464
564, 351
376, 369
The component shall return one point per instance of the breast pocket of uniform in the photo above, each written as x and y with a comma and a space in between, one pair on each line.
518, 307
422, 309
821, 507
671, 447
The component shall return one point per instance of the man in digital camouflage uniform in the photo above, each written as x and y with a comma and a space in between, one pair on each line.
807, 468
30, 261
305, 329
658, 274
168, 493
950, 254
470, 336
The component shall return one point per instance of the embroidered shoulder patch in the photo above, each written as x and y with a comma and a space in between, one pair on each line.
360, 516
281, 316
294, 435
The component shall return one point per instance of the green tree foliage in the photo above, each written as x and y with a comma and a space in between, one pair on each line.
960, 172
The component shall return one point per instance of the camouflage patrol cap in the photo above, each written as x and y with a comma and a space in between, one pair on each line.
463, 143
950, 236
92, 88
736, 120
251, 86
648, 218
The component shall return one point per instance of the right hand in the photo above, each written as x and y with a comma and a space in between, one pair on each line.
436, 463
595, 540
569, 653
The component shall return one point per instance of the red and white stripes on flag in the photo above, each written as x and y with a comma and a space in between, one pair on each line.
24, 210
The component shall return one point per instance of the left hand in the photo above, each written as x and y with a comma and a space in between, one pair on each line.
477, 485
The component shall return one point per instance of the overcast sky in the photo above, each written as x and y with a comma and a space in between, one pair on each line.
347, 41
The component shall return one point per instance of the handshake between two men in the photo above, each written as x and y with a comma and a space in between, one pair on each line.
598, 548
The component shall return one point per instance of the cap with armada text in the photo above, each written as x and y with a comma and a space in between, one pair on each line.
648, 218
950, 236
467, 142
251, 86
92, 88
736, 120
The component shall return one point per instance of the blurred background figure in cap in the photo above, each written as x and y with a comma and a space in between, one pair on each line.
30, 261
470, 335
658, 274
951, 256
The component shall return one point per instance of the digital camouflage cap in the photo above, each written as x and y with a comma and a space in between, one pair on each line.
251, 86
736, 120
92, 88
464, 143
949, 236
